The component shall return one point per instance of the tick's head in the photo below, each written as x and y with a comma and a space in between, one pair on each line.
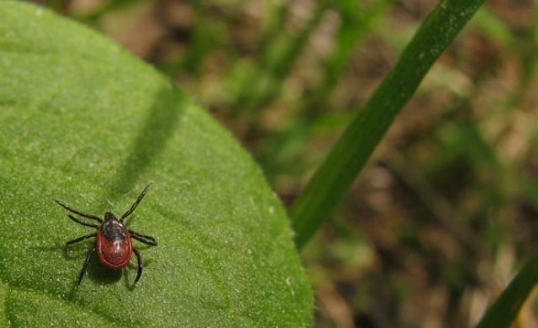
112, 229
110, 216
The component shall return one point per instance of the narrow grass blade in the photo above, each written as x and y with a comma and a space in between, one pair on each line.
351, 152
506, 307
275, 65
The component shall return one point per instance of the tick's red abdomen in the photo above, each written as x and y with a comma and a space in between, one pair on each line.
113, 245
115, 254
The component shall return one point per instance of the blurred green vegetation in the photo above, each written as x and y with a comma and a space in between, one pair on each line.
446, 210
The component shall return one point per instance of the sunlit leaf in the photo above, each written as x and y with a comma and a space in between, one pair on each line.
83, 121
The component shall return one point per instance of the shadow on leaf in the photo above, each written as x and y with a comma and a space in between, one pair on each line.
160, 124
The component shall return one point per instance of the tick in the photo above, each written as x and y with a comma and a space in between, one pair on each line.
113, 241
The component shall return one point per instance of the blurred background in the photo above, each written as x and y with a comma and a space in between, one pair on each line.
446, 210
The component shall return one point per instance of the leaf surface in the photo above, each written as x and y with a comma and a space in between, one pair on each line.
84, 122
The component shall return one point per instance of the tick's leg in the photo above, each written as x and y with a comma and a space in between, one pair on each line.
143, 238
72, 210
139, 259
76, 240
83, 223
138, 200
85, 266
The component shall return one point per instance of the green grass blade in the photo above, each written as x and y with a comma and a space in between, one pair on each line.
351, 152
356, 25
274, 65
506, 307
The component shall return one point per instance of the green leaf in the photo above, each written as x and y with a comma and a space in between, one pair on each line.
337, 173
84, 122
